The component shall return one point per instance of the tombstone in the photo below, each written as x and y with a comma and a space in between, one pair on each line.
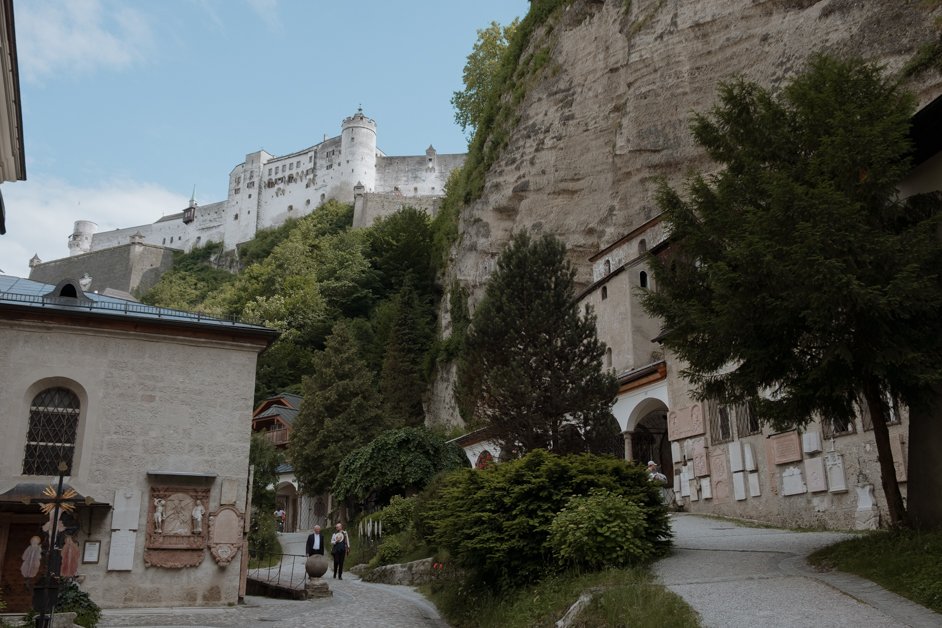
705, 488
121, 550
685, 481
834, 465
754, 489
739, 485
749, 457
867, 517
701, 464
720, 476
811, 442
735, 457
817, 477
676, 451
792, 482
693, 487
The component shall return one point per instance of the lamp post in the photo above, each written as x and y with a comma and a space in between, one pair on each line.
48, 591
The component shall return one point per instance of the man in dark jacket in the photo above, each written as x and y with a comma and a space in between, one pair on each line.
315, 542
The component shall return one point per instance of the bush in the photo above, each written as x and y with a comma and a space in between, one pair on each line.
398, 515
263, 536
495, 522
598, 531
73, 600
390, 551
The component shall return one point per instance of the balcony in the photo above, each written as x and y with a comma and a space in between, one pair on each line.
278, 437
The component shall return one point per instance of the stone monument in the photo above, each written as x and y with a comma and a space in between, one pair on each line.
316, 566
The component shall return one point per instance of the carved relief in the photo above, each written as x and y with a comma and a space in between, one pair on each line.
786, 447
720, 475
701, 464
225, 534
685, 422
176, 537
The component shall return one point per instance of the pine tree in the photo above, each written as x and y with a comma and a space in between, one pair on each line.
532, 363
340, 413
798, 280
403, 381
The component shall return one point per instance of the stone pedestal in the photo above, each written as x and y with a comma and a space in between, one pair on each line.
317, 587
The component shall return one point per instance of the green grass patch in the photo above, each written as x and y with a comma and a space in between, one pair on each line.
625, 597
904, 562
264, 562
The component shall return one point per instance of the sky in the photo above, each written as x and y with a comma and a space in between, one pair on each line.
129, 104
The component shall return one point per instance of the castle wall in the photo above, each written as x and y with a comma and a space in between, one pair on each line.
130, 268
416, 176
368, 208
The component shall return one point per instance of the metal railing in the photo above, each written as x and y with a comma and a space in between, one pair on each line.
280, 570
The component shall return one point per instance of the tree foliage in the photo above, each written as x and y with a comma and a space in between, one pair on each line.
397, 462
264, 458
340, 412
496, 522
799, 280
532, 362
480, 75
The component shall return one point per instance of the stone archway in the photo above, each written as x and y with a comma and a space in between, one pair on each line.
646, 437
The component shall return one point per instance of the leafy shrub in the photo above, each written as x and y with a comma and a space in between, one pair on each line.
398, 515
390, 551
263, 535
600, 530
495, 522
73, 600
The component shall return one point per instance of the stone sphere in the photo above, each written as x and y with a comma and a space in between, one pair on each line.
315, 565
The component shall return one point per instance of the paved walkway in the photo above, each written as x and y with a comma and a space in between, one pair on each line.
740, 577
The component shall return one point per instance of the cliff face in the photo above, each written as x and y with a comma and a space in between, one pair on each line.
609, 112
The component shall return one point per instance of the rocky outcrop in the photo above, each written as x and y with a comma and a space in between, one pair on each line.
608, 113
411, 574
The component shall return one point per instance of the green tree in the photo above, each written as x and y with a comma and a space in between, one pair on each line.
403, 380
340, 412
798, 280
264, 458
397, 462
480, 74
532, 363
400, 251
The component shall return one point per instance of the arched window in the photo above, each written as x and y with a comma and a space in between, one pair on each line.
608, 267
642, 246
604, 292
643, 279
53, 426
608, 357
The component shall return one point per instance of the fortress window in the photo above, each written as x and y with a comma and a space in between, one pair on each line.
237, 190
236, 217
238, 180
323, 196
269, 172
604, 292
642, 246
643, 279
165, 241
608, 267
252, 175
291, 166
282, 167
171, 239
307, 202
290, 207
608, 357
299, 163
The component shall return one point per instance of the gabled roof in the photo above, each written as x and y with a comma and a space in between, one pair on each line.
284, 413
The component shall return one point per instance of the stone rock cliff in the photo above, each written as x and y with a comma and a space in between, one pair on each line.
608, 113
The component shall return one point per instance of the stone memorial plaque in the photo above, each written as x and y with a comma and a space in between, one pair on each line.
719, 474
834, 466
121, 550
693, 486
898, 447
735, 457
754, 489
677, 452
792, 482
701, 462
817, 478
127, 509
685, 481
705, 488
811, 442
786, 447
225, 534
685, 422
749, 457
229, 493
677, 479
739, 485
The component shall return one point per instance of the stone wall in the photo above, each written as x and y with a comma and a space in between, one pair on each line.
368, 208
132, 268
148, 404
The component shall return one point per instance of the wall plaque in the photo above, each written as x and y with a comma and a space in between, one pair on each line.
225, 534
701, 463
176, 529
792, 483
720, 476
817, 478
739, 485
121, 550
786, 447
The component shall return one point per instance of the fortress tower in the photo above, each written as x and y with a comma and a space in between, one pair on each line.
357, 155
81, 239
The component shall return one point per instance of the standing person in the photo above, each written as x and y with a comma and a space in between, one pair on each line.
315, 542
654, 475
340, 547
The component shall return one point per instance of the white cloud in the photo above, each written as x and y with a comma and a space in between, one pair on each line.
79, 36
40, 214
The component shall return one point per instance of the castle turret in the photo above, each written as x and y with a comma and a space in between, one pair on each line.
357, 155
81, 239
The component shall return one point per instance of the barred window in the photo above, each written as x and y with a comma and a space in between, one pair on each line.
53, 426
893, 414
831, 427
721, 427
747, 423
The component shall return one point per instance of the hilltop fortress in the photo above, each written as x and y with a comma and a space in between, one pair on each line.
265, 191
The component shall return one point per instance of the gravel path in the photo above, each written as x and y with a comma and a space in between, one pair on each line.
740, 577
